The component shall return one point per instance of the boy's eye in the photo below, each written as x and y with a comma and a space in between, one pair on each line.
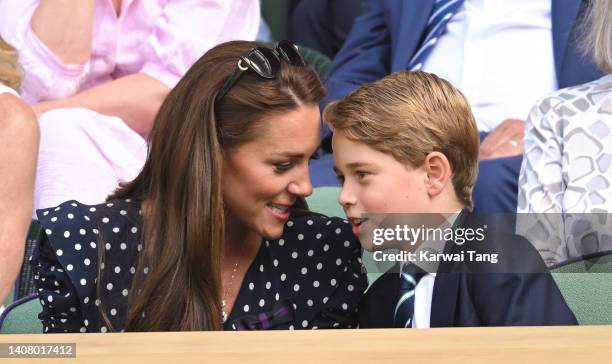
362, 174
282, 167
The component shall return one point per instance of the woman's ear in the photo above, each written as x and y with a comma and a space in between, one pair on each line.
438, 171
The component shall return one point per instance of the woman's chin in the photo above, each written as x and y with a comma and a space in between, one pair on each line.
272, 232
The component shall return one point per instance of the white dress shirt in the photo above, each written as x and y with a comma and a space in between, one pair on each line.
499, 53
423, 295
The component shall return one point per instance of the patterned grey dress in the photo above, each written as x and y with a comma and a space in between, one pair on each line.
567, 172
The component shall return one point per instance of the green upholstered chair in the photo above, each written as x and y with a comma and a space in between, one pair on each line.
21, 317
586, 285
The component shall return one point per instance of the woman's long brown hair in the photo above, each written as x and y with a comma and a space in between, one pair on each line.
183, 227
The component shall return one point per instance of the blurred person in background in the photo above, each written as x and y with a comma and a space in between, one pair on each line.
322, 25
502, 54
566, 175
96, 72
19, 140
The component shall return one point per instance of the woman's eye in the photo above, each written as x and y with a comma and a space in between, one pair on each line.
283, 167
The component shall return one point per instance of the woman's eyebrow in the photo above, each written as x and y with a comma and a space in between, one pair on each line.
289, 154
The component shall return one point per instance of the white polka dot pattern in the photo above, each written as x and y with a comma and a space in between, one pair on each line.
315, 265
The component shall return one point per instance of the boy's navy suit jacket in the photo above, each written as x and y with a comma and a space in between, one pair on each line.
470, 294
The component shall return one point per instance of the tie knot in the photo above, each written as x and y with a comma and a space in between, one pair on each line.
410, 276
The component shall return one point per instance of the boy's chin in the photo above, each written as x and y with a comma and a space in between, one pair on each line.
371, 247
366, 246
367, 243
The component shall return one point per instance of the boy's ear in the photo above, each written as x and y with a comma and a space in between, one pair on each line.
438, 171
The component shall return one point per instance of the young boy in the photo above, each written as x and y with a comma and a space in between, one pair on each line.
408, 143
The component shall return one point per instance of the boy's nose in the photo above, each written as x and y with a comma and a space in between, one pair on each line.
346, 197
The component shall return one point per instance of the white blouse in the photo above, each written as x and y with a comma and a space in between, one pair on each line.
566, 176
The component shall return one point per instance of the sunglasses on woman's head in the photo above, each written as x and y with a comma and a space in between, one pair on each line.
265, 62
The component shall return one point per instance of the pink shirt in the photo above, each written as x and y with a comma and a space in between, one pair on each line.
160, 38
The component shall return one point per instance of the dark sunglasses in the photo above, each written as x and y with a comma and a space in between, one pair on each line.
265, 62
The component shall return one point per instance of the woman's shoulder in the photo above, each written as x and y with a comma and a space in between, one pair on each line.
576, 100
73, 232
66, 261
75, 220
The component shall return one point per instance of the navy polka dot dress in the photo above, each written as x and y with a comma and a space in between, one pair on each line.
310, 278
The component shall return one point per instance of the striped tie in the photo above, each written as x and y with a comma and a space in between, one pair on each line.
443, 10
404, 309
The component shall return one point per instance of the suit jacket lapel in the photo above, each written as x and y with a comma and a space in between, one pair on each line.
413, 16
446, 285
563, 16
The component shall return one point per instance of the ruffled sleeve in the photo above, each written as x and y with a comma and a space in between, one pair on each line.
65, 268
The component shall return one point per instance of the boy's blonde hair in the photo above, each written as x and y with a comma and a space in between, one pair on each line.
409, 115
10, 72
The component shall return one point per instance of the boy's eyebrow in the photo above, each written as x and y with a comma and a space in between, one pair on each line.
358, 164
354, 165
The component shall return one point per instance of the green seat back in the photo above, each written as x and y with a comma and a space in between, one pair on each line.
22, 317
325, 201
589, 295
600, 263
587, 287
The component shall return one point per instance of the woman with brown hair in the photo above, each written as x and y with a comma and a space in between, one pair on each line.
214, 232
19, 140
